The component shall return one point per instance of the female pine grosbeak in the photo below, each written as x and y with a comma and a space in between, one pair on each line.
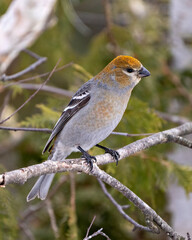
92, 114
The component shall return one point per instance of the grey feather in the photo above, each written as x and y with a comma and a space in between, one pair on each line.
73, 107
41, 187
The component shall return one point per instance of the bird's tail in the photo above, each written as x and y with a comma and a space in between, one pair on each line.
41, 187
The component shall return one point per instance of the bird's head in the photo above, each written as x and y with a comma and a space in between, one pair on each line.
125, 71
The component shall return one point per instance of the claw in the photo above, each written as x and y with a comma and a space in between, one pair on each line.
112, 152
89, 159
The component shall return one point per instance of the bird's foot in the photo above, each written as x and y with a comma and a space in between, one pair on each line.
112, 152
89, 159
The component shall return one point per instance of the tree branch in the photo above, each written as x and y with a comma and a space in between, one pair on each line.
39, 76
98, 232
50, 89
19, 27
30, 68
48, 130
32, 96
15, 129
145, 209
88, 230
121, 211
20, 176
52, 218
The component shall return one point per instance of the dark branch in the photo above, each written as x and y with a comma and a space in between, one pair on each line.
39, 61
32, 96
120, 209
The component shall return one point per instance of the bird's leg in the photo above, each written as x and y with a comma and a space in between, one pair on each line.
87, 157
112, 152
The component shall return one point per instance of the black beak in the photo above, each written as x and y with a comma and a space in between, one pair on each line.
143, 72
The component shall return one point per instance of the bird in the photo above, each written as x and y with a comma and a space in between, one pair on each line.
92, 114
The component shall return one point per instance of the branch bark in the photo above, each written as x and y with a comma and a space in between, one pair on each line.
20, 176
32, 96
39, 61
15, 24
76, 165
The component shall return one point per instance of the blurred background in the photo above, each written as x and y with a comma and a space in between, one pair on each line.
88, 34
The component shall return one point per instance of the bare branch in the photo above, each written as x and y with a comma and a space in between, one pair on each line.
145, 209
88, 230
39, 76
131, 134
49, 89
21, 175
16, 23
32, 96
180, 140
27, 231
99, 232
77, 165
120, 209
52, 218
47, 130
30, 68
15, 129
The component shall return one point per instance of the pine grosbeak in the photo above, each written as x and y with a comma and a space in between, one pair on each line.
92, 114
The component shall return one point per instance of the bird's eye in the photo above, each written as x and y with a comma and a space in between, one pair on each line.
129, 70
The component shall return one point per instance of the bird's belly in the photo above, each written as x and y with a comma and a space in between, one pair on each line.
81, 135
86, 130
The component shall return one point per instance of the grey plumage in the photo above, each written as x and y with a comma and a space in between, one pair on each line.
41, 187
92, 114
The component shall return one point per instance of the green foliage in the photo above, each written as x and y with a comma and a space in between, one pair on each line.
43, 119
16, 90
8, 219
139, 118
148, 173
183, 175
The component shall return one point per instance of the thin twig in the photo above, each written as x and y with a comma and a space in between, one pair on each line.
145, 209
72, 209
98, 232
26, 231
120, 209
38, 76
47, 130
32, 96
77, 165
15, 129
52, 218
51, 89
88, 230
30, 68
132, 134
